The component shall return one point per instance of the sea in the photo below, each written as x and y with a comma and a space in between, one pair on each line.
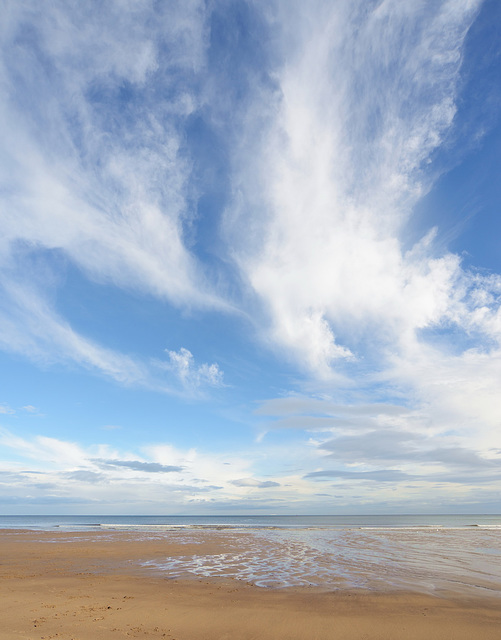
437, 554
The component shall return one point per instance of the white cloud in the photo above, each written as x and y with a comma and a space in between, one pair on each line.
29, 408
46, 451
95, 172
6, 410
454, 393
362, 106
30, 326
109, 190
368, 468
366, 94
99, 474
324, 179
448, 432
191, 375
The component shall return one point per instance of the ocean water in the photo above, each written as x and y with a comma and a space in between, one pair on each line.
82, 523
432, 554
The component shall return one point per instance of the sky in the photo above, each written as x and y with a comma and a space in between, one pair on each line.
250, 257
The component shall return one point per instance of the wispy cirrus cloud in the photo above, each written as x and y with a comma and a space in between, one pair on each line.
96, 172
361, 106
325, 178
32, 327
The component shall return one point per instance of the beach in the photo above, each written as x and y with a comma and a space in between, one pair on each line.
112, 584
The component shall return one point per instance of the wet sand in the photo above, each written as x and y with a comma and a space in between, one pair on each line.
92, 586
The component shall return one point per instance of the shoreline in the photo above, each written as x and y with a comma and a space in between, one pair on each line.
92, 586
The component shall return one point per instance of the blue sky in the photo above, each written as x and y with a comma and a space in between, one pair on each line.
249, 257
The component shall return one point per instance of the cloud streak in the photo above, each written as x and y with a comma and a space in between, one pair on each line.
137, 465
96, 171
363, 105
384, 475
106, 185
256, 484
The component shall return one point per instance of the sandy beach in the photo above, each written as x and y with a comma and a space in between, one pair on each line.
77, 587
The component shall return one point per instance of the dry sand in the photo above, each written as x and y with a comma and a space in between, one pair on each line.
90, 587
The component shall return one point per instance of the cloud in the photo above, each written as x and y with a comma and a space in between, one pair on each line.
137, 465
457, 392
191, 375
325, 129
86, 476
29, 408
6, 410
95, 83
327, 155
314, 423
258, 484
398, 446
366, 95
103, 475
31, 327
306, 405
51, 500
342, 162
111, 479
43, 449
382, 475
413, 456
193, 489
314, 414
96, 170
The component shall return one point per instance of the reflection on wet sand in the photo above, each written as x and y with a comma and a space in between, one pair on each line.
422, 559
